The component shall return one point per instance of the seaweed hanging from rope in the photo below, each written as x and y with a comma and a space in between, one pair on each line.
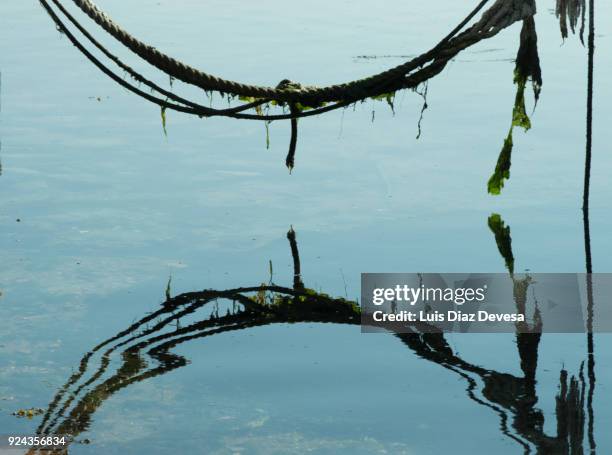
569, 12
527, 68
296, 100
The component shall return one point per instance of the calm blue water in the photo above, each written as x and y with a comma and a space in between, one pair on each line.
109, 207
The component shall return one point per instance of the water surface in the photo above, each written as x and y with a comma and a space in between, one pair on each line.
100, 207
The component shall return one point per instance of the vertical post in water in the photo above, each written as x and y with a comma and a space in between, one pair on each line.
587, 233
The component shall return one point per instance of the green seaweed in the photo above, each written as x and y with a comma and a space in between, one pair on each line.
527, 68
519, 115
248, 99
163, 118
502, 168
388, 97
519, 119
306, 107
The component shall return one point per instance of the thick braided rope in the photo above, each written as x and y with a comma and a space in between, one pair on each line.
502, 14
197, 108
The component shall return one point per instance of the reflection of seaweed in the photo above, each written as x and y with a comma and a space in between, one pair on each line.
570, 412
570, 401
146, 352
512, 397
503, 240
527, 337
527, 68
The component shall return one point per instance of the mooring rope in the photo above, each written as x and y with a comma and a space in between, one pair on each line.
187, 106
499, 16
197, 108
297, 100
